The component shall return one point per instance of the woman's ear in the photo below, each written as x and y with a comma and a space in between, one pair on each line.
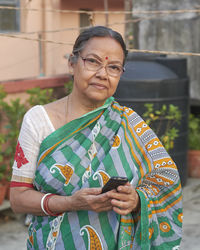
71, 62
71, 67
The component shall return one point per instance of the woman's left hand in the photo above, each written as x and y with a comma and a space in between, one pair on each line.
125, 200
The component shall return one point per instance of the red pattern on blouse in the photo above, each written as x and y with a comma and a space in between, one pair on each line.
20, 184
19, 156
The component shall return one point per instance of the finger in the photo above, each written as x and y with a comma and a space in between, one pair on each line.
128, 189
94, 191
122, 196
98, 207
121, 211
120, 204
106, 208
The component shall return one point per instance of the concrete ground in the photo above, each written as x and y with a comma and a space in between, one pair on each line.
13, 232
191, 215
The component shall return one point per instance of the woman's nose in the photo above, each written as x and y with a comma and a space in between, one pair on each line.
102, 72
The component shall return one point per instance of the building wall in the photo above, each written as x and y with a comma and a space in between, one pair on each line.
177, 32
21, 58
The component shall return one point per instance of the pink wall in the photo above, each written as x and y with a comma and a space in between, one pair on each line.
20, 58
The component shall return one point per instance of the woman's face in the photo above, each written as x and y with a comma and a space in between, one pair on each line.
97, 85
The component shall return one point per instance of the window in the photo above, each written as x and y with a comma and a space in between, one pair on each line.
84, 19
9, 18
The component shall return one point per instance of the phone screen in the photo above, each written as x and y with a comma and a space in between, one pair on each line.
113, 183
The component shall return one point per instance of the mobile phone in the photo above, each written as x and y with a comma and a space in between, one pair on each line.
114, 182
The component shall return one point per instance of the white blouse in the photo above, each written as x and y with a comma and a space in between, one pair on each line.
36, 126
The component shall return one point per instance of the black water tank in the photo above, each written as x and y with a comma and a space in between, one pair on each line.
158, 80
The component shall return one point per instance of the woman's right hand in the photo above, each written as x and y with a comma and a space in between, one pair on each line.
90, 199
27, 200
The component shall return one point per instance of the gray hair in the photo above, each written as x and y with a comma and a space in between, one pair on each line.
96, 31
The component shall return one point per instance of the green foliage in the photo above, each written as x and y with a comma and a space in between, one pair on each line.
14, 112
2, 93
163, 121
194, 132
2, 171
40, 96
69, 86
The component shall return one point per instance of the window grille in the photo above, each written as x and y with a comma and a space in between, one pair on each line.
84, 19
9, 18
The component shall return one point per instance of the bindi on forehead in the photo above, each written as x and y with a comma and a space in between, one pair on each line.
106, 58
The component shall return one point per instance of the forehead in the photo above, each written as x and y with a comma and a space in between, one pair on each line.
104, 47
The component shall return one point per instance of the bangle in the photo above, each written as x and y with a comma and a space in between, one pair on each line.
42, 203
45, 207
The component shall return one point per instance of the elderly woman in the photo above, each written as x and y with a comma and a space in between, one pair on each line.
67, 150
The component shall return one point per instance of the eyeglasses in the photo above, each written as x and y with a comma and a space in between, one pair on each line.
93, 64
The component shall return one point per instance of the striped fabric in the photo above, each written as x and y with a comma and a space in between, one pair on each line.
110, 141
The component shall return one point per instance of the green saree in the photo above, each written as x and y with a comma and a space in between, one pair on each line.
109, 141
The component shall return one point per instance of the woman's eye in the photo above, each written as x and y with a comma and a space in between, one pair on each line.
92, 61
115, 67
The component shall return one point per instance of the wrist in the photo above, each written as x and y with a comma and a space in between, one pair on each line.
45, 205
67, 202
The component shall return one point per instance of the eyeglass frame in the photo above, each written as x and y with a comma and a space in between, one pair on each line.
85, 58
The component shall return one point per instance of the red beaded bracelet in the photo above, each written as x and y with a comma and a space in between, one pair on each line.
45, 207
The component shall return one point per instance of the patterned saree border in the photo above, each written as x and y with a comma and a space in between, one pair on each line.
41, 158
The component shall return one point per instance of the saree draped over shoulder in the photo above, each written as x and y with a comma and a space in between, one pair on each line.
109, 141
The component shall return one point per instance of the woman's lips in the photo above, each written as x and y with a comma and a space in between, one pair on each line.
98, 86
